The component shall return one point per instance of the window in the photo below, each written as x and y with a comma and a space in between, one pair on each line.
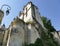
26, 12
14, 30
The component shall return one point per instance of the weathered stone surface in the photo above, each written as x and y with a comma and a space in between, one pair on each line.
22, 33
25, 28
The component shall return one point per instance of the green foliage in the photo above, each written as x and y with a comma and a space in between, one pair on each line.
46, 37
47, 24
44, 41
31, 45
38, 42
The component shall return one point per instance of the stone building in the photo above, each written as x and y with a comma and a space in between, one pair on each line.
2, 33
25, 28
56, 36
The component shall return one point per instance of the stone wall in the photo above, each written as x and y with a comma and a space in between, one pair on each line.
22, 33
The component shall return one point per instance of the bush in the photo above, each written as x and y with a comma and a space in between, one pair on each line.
38, 42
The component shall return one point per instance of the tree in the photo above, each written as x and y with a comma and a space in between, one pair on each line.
46, 37
47, 24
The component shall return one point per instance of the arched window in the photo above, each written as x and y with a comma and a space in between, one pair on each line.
14, 30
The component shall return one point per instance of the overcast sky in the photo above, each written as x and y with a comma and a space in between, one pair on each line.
47, 8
